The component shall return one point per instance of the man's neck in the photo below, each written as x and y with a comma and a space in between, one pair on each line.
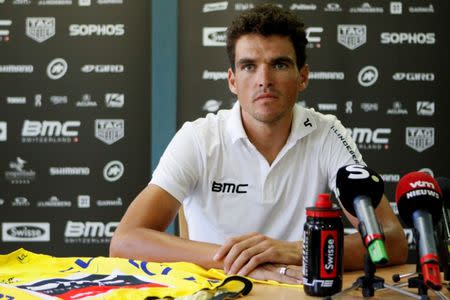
269, 138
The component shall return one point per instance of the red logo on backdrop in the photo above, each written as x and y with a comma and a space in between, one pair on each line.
328, 253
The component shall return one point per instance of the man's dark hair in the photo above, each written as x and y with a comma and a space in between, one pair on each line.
268, 19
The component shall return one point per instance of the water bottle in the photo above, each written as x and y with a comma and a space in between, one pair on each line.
323, 242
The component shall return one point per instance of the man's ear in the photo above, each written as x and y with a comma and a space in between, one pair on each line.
304, 78
231, 81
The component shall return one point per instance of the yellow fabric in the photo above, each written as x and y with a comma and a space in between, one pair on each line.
27, 275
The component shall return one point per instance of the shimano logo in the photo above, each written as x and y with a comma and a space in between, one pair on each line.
16, 68
96, 29
208, 75
229, 188
421, 38
69, 171
399, 76
326, 75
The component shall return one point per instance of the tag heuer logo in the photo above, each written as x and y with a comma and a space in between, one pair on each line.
40, 29
420, 138
109, 131
351, 36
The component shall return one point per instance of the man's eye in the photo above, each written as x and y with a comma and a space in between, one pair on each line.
248, 67
280, 66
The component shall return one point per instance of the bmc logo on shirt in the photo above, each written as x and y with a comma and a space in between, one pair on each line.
227, 187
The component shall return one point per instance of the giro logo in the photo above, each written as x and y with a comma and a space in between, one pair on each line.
214, 36
25, 232
420, 38
96, 29
351, 36
102, 69
57, 68
368, 76
40, 29
399, 76
113, 170
229, 188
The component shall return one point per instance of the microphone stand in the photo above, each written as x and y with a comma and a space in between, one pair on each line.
417, 281
369, 283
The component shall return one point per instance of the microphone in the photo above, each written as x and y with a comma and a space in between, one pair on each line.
443, 230
359, 190
419, 203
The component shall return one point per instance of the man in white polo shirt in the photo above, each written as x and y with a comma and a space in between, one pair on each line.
245, 176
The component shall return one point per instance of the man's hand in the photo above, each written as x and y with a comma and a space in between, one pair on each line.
242, 254
282, 273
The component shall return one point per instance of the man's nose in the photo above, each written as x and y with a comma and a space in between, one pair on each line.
265, 76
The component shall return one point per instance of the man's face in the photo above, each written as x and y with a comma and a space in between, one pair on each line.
266, 79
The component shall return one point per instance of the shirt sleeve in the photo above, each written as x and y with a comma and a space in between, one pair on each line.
179, 167
338, 150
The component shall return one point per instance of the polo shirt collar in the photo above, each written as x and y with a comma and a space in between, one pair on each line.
303, 123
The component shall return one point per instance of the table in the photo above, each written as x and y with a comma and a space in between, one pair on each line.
262, 291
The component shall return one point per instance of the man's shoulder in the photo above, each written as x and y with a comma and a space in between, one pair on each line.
319, 120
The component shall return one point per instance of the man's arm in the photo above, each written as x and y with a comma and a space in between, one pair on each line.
395, 240
140, 234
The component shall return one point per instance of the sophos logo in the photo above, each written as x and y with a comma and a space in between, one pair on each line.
229, 188
97, 29
421, 38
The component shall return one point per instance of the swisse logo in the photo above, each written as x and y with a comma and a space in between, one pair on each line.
102, 69
226, 187
421, 38
399, 76
25, 232
214, 36
329, 254
215, 6
96, 29
89, 232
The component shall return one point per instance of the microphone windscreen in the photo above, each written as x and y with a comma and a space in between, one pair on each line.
418, 190
356, 180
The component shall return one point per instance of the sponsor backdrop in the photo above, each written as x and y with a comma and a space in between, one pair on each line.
380, 66
74, 121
